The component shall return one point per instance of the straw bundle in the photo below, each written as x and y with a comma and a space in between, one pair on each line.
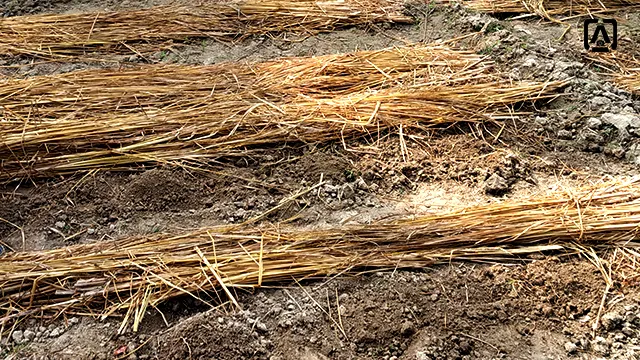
191, 115
81, 93
144, 30
136, 273
621, 68
194, 132
629, 75
549, 8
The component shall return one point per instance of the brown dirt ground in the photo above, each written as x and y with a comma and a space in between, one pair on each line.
529, 309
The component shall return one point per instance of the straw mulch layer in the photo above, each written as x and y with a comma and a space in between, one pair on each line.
629, 78
81, 93
134, 274
142, 31
622, 68
193, 116
549, 8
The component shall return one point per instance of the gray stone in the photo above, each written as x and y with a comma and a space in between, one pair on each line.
628, 331
621, 121
530, 62
261, 326
541, 120
600, 102
17, 336
594, 123
565, 134
407, 329
496, 185
29, 335
348, 192
60, 224
55, 332
570, 347
633, 154
91, 231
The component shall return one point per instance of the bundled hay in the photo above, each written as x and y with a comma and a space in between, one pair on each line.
82, 93
142, 31
549, 8
117, 120
195, 132
621, 68
629, 75
138, 273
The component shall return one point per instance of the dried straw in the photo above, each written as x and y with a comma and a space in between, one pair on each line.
549, 8
162, 119
133, 273
197, 132
621, 68
142, 31
81, 93
629, 75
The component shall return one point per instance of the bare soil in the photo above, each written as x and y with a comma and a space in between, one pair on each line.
539, 307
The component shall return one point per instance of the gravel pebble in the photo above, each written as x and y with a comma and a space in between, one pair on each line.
17, 336
570, 347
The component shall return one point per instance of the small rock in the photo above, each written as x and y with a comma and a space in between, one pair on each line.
343, 297
434, 297
570, 347
55, 332
29, 335
17, 336
407, 329
131, 347
74, 320
600, 102
261, 326
621, 121
565, 135
611, 321
496, 185
594, 123
348, 192
530, 62
633, 154
91, 231
628, 331
60, 224
465, 347
220, 320
291, 307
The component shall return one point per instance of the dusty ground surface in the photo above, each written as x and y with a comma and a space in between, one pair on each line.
541, 307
